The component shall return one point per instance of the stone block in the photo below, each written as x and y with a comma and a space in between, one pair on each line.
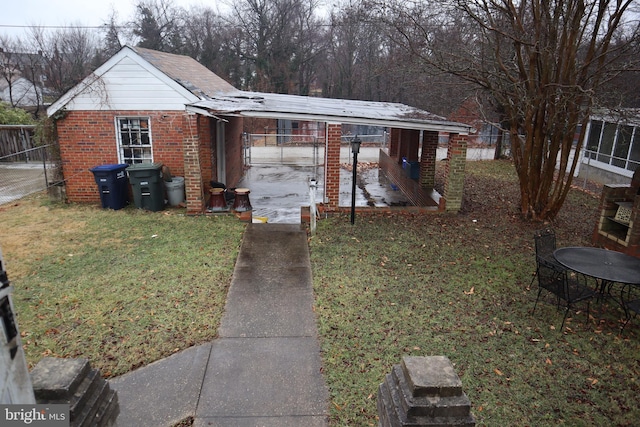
72, 381
57, 379
423, 391
432, 376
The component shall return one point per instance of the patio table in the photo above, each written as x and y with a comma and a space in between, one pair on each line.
606, 266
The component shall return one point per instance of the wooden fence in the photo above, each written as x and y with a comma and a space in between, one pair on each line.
16, 139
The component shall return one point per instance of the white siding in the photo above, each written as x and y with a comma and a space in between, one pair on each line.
129, 86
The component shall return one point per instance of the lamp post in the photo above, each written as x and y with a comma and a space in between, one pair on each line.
355, 149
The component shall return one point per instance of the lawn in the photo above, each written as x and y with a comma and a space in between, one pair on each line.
459, 286
125, 288
121, 288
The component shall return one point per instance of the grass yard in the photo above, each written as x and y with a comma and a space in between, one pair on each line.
459, 286
121, 288
125, 288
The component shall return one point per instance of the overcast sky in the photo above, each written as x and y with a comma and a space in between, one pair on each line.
27, 13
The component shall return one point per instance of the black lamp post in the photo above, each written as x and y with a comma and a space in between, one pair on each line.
355, 149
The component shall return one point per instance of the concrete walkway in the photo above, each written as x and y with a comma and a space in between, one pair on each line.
265, 367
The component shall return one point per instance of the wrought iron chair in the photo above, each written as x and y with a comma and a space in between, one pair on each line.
630, 300
566, 286
545, 243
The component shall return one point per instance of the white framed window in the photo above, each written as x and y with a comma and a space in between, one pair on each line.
614, 144
134, 140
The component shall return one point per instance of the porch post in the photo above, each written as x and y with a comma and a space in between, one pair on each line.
410, 143
454, 171
428, 160
394, 143
332, 165
194, 192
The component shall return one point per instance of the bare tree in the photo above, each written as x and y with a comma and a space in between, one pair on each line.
542, 62
9, 66
23, 73
159, 24
278, 42
113, 37
68, 55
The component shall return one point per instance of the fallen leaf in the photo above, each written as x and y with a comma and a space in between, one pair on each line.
548, 361
470, 292
498, 371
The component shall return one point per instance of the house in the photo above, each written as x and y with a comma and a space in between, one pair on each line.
22, 80
132, 110
21, 93
148, 106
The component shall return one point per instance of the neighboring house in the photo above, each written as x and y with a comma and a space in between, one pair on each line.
148, 106
22, 80
21, 93
611, 149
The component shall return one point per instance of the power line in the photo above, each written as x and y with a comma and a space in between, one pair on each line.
54, 27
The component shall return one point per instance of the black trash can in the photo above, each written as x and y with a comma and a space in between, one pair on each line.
113, 185
147, 186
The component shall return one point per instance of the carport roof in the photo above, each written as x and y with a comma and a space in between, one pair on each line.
306, 108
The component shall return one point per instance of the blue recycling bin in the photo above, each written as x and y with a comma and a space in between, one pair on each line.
113, 185
411, 169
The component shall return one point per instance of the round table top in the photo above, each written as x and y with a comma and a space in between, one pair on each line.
603, 264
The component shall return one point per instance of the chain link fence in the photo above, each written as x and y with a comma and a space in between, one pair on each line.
26, 172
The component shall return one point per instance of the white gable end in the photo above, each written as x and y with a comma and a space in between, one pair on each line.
129, 86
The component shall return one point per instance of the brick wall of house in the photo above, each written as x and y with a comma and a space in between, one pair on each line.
88, 139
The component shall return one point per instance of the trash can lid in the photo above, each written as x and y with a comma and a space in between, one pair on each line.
145, 166
110, 167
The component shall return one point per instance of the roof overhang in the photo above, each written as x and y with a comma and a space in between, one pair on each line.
305, 108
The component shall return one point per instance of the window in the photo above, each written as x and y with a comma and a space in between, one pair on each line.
614, 144
621, 149
594, 138
134, 140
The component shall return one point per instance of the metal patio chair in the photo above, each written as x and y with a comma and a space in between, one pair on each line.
568, 287
545, 244
630, 300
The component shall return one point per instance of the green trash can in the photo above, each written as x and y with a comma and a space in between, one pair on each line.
147, 186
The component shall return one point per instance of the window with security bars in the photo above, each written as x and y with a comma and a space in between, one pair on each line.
134, 140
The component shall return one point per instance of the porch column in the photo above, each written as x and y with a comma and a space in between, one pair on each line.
332, 165
194, 192
428, 160
454, 171
394, 143
410, 142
